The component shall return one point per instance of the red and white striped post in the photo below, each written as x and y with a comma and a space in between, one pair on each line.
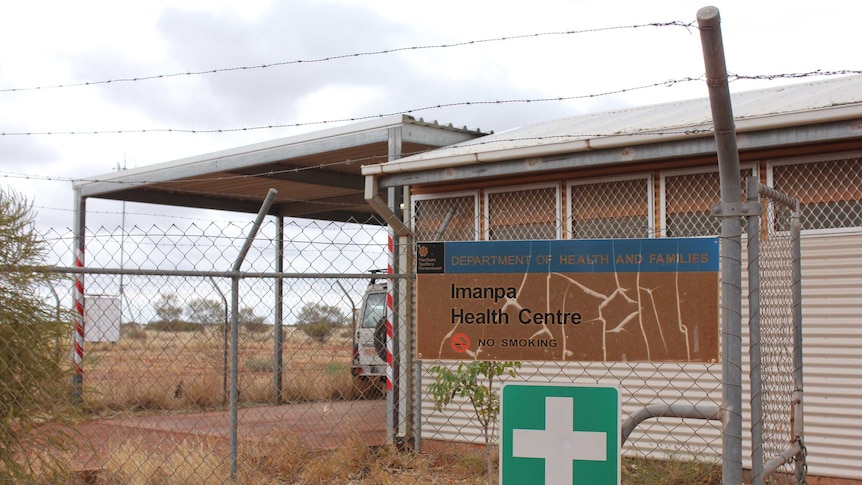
78, 295
78, 337
78, 332
390, 311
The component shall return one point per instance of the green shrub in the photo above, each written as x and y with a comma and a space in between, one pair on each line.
174, 326
34, 376
318, 331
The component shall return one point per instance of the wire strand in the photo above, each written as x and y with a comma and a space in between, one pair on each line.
409, 111
350, 161
687, 26
667, 83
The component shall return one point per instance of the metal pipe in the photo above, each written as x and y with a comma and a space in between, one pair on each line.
754, 351
778, 196
226, 335
405, 328
264, 208
78, 232
194, 273
667, 411
234, 329
234, 376
447, 219
798, 421
784, 457
709, 21
352, 305
393, 334
278, 338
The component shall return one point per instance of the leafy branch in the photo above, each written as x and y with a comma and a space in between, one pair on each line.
473, 381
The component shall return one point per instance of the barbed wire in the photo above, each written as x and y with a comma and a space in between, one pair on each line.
687, 25
792, 75
376, 158
349, 161
353, 119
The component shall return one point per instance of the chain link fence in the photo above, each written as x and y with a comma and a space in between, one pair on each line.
155, 394
774, 275
156, 372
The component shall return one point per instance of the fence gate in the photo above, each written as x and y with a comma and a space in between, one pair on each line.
775, 320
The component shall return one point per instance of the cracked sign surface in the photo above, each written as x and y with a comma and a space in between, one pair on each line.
609, 300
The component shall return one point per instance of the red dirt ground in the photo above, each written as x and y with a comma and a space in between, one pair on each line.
322, 425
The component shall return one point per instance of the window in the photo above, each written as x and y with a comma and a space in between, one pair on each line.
829, 191
687, 200
611, 208
525, 212
446, 217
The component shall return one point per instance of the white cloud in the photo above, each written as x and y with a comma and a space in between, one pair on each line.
57, 42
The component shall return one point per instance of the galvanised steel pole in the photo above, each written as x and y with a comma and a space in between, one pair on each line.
801, 465
754, 334
278, 352
79, 234
730, 211
234, 329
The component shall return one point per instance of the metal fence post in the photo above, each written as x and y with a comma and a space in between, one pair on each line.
754, 350
80, 228
234, 329
393, 333
226, 339
729, 210
801, 469
278, 355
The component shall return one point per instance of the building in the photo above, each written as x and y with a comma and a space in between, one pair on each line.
649, 172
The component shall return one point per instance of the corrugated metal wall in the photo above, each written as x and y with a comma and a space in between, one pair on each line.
832, 353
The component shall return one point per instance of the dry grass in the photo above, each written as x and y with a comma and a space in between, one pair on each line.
669, 472
285, 461
268, 462
156, 371
152, 372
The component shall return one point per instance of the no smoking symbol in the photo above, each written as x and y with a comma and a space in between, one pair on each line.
460, 342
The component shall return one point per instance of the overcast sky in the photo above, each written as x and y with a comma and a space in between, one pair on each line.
51, 43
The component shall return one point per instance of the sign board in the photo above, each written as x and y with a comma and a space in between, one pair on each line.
611, 300
559, 435
102, 318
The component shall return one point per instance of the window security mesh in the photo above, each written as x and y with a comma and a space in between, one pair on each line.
611, 209
830, 192
445, 218
688, 201
523, 214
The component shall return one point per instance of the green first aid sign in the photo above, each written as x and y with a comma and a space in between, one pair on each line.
559, 435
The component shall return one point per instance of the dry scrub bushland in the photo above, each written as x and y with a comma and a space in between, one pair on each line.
34, 374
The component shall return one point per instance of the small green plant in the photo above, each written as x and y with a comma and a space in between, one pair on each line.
335, 368
474, 381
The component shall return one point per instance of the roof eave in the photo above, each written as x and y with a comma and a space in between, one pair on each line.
743, 125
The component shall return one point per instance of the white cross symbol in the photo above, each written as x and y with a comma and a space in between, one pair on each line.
558, 444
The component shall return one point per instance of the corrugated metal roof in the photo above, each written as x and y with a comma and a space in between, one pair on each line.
317, 175
780, 107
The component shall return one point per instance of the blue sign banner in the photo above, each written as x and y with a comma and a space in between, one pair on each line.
659, 255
